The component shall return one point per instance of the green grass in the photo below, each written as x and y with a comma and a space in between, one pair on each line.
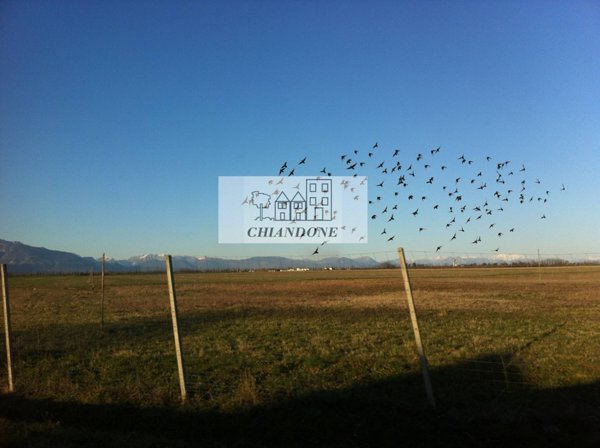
325, 358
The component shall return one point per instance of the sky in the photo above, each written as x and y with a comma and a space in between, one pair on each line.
118, 117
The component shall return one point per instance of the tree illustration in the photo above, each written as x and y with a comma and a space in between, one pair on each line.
261, 201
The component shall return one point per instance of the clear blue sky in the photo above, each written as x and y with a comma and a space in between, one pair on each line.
117, 117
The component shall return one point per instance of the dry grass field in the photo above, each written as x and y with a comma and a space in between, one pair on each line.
318, 358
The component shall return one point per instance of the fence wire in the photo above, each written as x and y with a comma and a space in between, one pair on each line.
245, 335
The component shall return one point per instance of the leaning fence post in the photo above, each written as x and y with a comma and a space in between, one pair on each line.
176, 335
6, 306
102, 293
415, 327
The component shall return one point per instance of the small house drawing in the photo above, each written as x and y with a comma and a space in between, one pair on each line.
283, 210
298, 207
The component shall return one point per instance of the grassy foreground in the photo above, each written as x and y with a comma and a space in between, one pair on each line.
307, 359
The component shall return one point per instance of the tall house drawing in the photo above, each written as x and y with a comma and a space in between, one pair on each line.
318, 198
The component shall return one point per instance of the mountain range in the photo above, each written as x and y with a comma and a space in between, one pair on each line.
25, 259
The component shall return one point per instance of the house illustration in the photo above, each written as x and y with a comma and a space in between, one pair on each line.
318, 195
283, 208
315, 205
298, 207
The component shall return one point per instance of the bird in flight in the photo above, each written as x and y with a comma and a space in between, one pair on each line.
283, 168
316, 251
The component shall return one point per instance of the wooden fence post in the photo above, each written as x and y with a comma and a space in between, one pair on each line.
176, 335
102, 294
6, 306
415, 327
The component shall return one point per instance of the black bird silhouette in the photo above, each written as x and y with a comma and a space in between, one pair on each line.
316, 251
302, 162
283, 168
395, 153
380, 184
416, 212
375, 145
437, 249
291, 173
391, 238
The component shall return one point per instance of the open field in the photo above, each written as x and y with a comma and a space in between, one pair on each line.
321, 358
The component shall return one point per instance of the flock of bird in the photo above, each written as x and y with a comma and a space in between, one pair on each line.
472, 194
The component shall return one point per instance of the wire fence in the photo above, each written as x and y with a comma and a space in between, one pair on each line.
248, 336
